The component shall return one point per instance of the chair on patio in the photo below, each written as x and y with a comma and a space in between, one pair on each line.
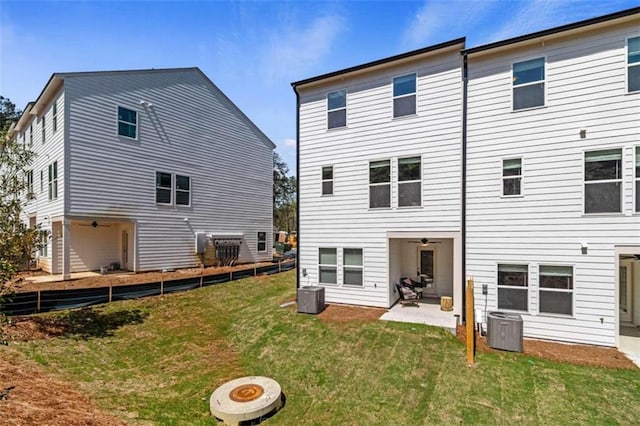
407, 296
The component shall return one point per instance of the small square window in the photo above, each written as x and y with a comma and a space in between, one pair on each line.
404, 95
512, 177
327, 180
633, 64
127, 122
528, 84
262, 241
337, 109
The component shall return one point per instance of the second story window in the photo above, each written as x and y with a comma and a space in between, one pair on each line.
512, 177
337, 109
41, 181
409, 182
30, 193
603, 181
327, 180
53, 180
633, 64
127, 123
528, 84
54, 116
262, 241
164, 182
183, 190
44, 130
404, 95
31, 134
379, 184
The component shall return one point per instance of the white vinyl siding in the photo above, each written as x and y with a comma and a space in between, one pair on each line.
404, 95
633, 64
337, 109
528, 84
512, 177
603, 181
328, 265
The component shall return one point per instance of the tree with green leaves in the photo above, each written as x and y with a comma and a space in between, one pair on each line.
284, 196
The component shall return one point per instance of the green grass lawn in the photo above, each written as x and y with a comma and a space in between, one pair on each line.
157, 360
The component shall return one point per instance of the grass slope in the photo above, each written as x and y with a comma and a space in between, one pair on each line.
160, 364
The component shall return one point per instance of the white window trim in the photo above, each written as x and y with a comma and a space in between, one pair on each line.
137, 125
503, 177
621, 180
156, 187
54, 116
399, 182
628, 65
31, 133
393, 117
258, 241
332, 180
344, 267
546, 99
390, 183
53, 181
175, 189
558, 290
345, 108
329, 266
636, 157
528, 287
43, 125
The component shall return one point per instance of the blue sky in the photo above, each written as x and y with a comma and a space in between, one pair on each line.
253, 50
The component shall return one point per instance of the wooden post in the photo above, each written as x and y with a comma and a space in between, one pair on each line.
254, 269
38, 306
201, 276
279, 265
161, 283
230, 275
471, 334
110, 292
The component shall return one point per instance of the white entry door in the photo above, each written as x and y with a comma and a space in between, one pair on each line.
625, 284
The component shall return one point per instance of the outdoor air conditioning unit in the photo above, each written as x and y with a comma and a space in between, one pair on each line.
504, 331
310, 300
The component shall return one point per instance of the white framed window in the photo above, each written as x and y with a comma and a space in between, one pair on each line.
41, 181
528, 84
127, 123
327, 180
380, 184
31, 134
164, 183
409, 182
603, 181
29, 178
262, 241
633, 64
556, 290
404, 95
637, 179
54, 116
352, 271
512, 177
327, 266
53, 181
44, 243
183, 190
513, 287
44, 129
337, 109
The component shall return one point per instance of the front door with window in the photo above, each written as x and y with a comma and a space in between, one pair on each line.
625, 284
426, 271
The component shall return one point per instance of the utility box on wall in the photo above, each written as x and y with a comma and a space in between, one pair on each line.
310, 300
505, 331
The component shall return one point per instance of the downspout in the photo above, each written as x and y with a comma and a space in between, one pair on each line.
463, 217
297, 187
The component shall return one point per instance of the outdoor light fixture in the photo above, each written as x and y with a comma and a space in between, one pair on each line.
94, 224
424, 242
584, 247
146, 104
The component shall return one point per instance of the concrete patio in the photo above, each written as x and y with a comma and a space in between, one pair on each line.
428, 312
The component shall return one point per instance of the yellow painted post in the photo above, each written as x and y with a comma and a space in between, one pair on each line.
471, 335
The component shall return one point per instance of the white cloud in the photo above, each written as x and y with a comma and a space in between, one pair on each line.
293, 50
291, 143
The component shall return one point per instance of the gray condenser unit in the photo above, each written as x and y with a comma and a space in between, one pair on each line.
310, 300
504, 331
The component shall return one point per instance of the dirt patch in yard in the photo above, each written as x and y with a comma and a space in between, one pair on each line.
594, 356
29, 396
122, 278
340, 314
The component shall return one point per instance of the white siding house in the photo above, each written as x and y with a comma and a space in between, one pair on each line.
552, 222
380, 170
134, 164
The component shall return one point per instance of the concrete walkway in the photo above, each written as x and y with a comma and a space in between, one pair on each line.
427, 313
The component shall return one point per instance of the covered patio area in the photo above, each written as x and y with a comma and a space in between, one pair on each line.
428, 312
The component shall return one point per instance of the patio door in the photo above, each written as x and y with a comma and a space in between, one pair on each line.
625, 284
426, 263
125, 250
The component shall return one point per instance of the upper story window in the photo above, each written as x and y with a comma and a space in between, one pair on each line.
44, 129
31, 134
513, 287
404, 95
327, 266
512, 177
337, 109
353, 267
164, 183
380, 184
603, 181
127, 123
638, 179
556, 290
183, 190
528, 84
41, 181
29, 176
633, 64
262, 241
53, 180
409, 182
54, 116
327, 180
